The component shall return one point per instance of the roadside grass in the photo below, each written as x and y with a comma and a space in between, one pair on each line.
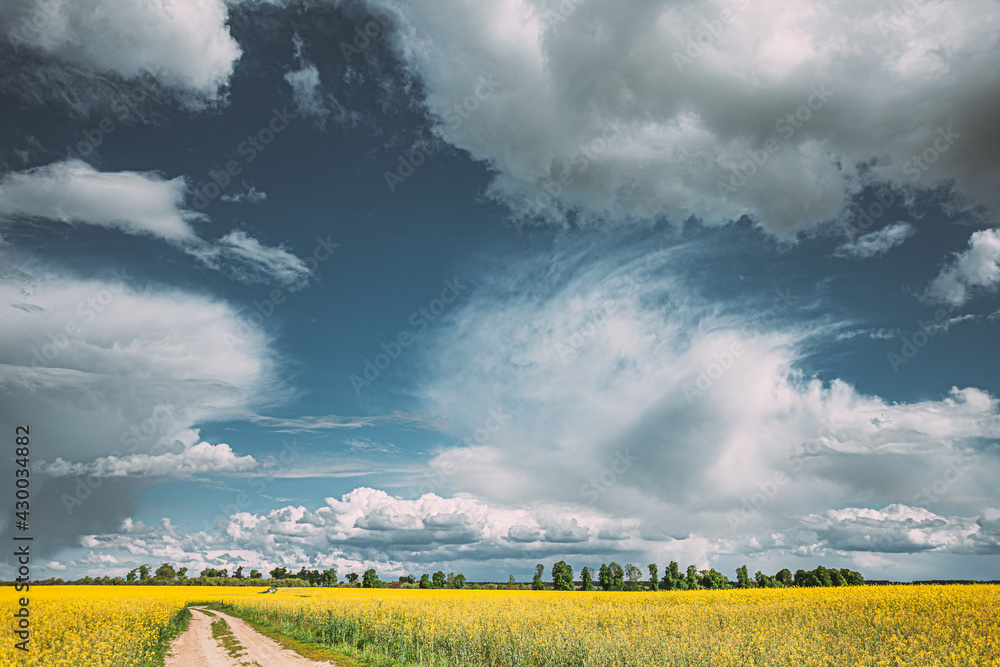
301, 641
177, 626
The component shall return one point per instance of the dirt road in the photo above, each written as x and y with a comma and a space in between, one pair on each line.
234, 644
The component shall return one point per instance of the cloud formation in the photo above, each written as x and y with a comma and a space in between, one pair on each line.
141, 203
976, 269
629, 392
115, 377
604, 113
877, 243
186, 45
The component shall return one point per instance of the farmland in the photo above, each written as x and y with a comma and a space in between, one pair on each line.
856, 626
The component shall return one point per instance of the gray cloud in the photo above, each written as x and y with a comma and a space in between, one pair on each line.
974, 270
711, 109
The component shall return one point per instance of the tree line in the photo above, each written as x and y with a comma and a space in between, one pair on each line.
609, 577
614, 577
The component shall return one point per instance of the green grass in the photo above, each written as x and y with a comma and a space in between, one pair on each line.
302, 641
168, 633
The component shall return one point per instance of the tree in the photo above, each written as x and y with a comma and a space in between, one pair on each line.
713, 580
784, 577
370, 579
279, 573
407, 579
329, 577
562, 577
588, 583
353, 577
166, 571
654, 577
604, 577
255, 574
182, 573
438, 579
458, 581
852, 578
617, 577
130, 577
742, 578
425, 581
691, 579
238, 574
672, 578
634, 574
764, 581
143, 572
536, 581
511, 583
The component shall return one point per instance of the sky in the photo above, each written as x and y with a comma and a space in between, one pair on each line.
475, 286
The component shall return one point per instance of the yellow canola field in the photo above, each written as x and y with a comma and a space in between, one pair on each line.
99, 626
923, 626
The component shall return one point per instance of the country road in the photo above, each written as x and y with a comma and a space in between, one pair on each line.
238, 646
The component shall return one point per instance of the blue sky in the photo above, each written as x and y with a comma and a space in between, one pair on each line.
468, 288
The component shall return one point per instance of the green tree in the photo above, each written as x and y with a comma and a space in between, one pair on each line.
672, 578
438, 579
713, 579
634, 575
852, 578
604, 577
588, 583
370, 579
562, 577
425, 581
182, 573
238, 574
130, 577
329, 577
617, 576
458, 581
166, 571
536, 581
764, 581
784, 577
654, 577
279, 573
691, 579
511, 583
742, 578
353, 577
255, 574
143, 572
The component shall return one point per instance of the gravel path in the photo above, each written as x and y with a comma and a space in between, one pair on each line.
198, 648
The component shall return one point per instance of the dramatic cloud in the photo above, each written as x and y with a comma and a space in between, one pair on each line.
141, 203
185, 44
615, 385
368, 526
977, 269
781, 111
115, 377
877, 243
902, 529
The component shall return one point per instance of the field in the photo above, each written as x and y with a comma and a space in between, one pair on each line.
923, 626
